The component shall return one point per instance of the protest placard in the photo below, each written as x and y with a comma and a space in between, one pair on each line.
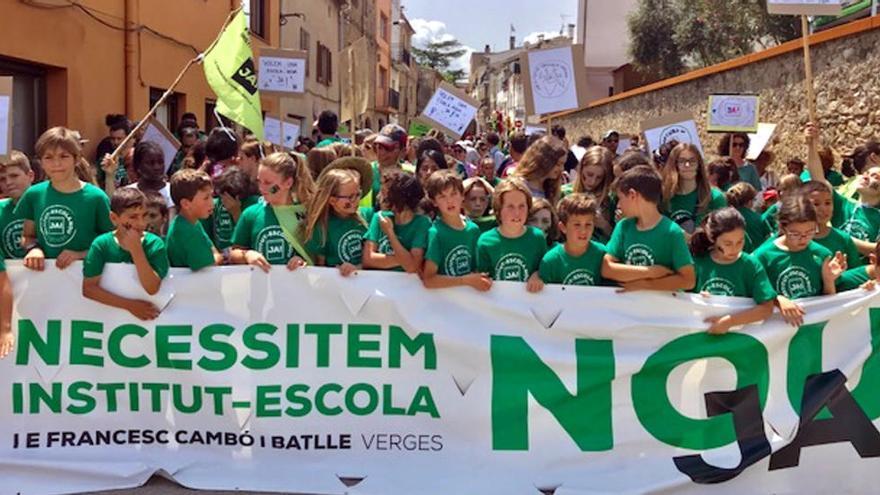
679, 127
623, 144
555, 79
733, 113
281, 133
450, 110
418, 128
354, 68
281, 72
157, 133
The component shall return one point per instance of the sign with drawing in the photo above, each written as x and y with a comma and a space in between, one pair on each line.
553, 82
451, 110
678, 127
282, 72
733, 113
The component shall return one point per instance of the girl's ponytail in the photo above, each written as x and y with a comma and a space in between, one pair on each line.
716, 224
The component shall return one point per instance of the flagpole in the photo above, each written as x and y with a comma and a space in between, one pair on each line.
143, 122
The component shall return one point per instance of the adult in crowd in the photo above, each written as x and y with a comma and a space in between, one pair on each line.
736, 145
328, 125
611, 140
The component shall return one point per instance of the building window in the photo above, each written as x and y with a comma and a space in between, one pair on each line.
304, 44
383, 26
255, 13
383, 77
167, 113
324, 64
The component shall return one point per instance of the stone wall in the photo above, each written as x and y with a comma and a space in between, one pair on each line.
847, 81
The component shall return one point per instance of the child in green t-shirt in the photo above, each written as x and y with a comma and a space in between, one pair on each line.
647, 250
334, 228
7, 338
477, 201
797, 266
450, 259
513, 250
397, 239
688, 195
265, 234
188, 244
740, 196
865, 276
822, 197
128, 243
724, 269
157, 213
17, 176
62, 216
578, 261
235, 192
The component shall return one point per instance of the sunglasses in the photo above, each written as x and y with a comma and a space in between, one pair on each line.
739, 144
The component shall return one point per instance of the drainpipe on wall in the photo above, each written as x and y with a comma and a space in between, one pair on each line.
131, 19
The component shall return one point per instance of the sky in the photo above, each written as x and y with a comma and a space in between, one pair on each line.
476, 23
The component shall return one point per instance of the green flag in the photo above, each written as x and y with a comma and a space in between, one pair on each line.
229, 69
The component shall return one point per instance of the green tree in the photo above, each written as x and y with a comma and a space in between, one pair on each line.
671, 36
439, 55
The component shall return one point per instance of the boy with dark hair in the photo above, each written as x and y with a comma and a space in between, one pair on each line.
157, 213
235, 191
397, 239
450, 258
221, 148
128, 243
188, 243
17, 177
328, 124
578, 261
647, 251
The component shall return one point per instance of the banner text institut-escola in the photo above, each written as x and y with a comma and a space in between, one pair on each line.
310, 383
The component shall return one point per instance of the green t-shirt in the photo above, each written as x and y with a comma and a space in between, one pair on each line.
2, 265
258, 229
744, 277
856, 219
852, 278
10, 231
768, 218
832, 176
343, 242
106, 249
683, 208
65, 220
559, 267
509, 259
756, 230
838, 240
188, 244
328, 141
794, 275
486, 223
413, 235
663, 245
453, 251
220, 225
748, 173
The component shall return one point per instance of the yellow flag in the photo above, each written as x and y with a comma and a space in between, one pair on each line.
230, 71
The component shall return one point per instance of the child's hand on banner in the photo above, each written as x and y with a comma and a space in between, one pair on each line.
295, 262
143, 310
7, 343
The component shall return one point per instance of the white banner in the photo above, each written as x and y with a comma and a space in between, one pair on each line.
310, 383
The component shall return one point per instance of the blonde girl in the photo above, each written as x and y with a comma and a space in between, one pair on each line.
334, 229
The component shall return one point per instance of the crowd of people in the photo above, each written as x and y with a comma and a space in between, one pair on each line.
523, 208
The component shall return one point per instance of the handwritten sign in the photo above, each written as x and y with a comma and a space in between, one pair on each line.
418, 129
554, 82
157, 133
679, 127
805, 7
733, 113
275, 134
282, 72
5, 117
450, 110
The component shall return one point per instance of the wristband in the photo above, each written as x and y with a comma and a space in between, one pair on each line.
227, 256
30, 247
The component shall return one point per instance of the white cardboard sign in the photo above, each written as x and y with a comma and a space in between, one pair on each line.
758, 140
552, 77
733, 113
451, 110
282, 72
158, 134
680, 127
273, 132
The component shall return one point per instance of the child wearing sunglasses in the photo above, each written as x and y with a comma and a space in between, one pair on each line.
334, 228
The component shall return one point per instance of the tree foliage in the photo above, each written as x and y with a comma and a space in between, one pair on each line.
439, 55
671, 36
